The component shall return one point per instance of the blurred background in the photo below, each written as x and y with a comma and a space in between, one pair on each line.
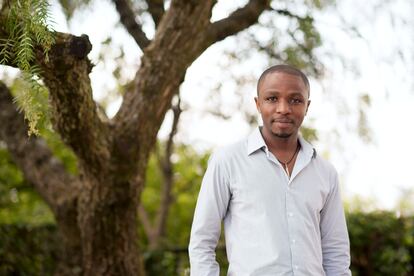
359, 56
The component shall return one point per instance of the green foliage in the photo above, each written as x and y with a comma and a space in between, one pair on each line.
32, 98
364, 130
60, 150
405, 204
358, 204
19, 203
306, 39
160, 262
318, 4
380, 243
295, 40
27, 250
189, 167
28, 27
10, 177
309, 134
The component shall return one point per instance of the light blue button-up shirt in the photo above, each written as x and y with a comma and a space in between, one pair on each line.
273, 225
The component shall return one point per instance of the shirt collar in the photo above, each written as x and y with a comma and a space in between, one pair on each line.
307, 148
255, 141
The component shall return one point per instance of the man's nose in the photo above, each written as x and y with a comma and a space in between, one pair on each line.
283, 107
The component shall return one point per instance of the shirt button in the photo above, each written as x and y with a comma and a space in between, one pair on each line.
290, 214
295, 267
293, 241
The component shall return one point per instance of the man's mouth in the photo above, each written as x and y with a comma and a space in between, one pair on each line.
282, 121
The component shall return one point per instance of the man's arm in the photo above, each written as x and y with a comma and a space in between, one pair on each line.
211, 208
334, 234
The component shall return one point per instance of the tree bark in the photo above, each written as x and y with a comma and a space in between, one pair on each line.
107, 212
127, 18
156, 9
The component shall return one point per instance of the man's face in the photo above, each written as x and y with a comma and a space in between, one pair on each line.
282, 102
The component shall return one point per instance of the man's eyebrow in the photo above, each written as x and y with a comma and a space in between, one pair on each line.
271, 91
275, 92
296, 94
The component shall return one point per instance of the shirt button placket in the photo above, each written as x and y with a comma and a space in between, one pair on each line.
291, 226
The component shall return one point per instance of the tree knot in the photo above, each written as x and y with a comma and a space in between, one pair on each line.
80, 46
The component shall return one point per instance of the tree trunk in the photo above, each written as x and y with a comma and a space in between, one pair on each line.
97, 211
107, 213
69, 262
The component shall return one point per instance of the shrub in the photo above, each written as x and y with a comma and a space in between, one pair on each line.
381, 243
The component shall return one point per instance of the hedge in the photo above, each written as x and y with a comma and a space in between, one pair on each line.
381, 244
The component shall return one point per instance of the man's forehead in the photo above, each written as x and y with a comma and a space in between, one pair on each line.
276, 92
278, 74
273, 77
282, 78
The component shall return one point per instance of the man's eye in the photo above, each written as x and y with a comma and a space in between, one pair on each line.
271, 99
295, 101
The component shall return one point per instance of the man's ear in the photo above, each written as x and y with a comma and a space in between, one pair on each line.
256, 100
307, 107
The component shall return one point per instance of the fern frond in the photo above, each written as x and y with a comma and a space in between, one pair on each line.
32, 99
6, 46
25, 53
28, 24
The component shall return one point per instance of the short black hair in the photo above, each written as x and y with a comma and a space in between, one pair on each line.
284, 68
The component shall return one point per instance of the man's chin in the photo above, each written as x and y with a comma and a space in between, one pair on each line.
282, 135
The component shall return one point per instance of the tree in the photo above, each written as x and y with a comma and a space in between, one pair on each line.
96, 210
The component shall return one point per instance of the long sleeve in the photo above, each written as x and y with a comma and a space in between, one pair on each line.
211, 208
334, 234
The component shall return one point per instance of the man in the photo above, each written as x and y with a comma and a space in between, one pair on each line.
279, 200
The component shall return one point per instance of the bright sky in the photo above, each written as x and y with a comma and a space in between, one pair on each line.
378, 169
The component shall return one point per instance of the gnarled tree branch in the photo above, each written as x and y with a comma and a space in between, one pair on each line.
146, 223
75, 115
288, 13
31, 154
156, 231
167, 169
177, 42
156, 9
127, 18
237, 21
168, 178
